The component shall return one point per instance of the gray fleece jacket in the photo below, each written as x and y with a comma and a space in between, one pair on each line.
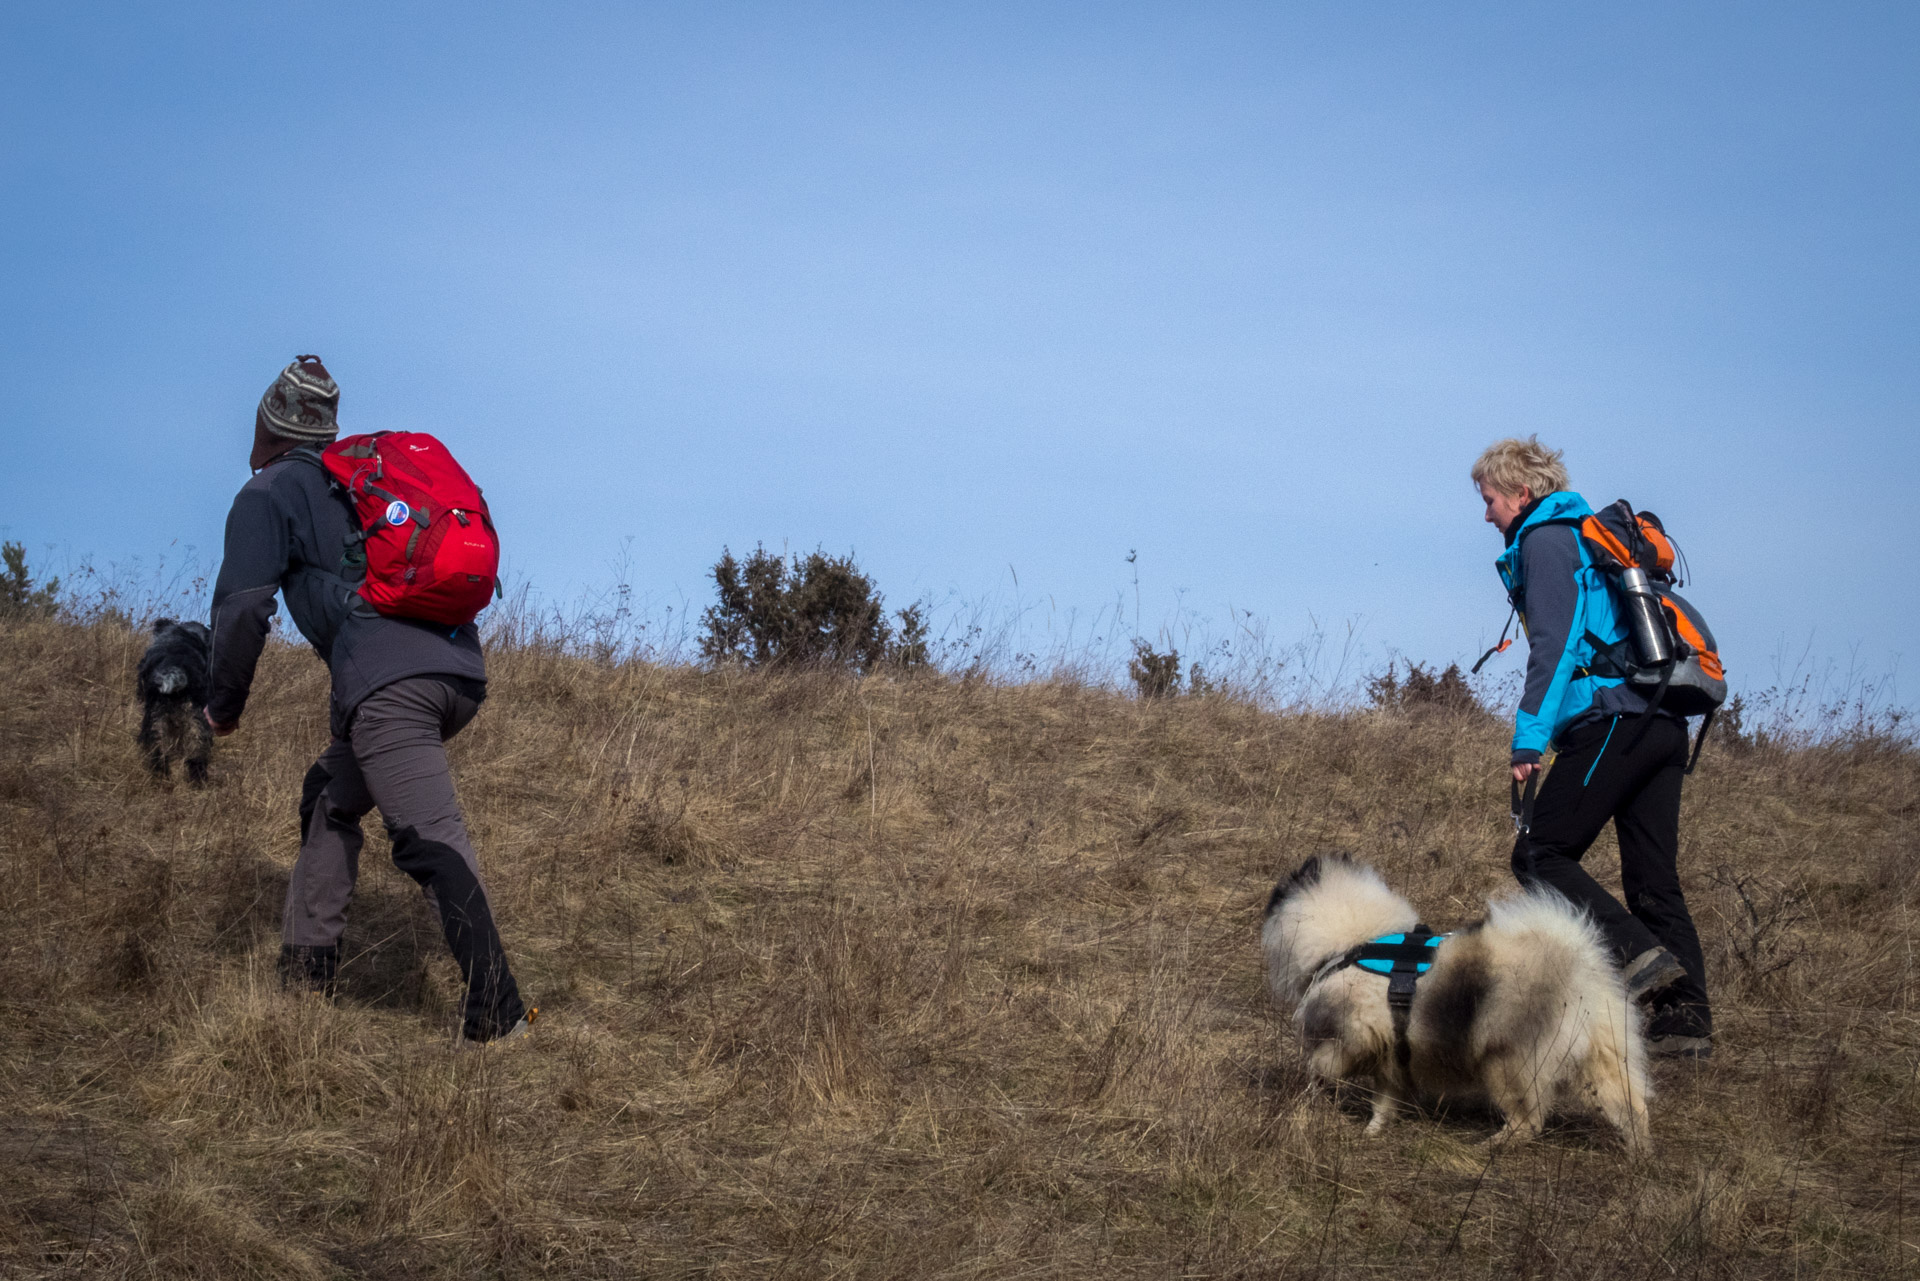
289, 532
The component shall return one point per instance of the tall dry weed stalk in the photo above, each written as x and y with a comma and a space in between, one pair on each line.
887, 977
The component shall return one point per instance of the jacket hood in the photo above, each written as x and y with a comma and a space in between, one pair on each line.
1560, 505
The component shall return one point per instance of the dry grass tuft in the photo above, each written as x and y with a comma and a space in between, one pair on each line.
188, 1227
896, 977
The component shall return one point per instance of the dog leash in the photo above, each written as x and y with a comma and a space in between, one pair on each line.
1522, 803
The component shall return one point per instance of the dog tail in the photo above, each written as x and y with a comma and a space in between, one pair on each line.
1566, 937
1551, 954
1601, 1029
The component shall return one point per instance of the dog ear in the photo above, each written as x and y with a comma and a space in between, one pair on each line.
1307, 874
161, 625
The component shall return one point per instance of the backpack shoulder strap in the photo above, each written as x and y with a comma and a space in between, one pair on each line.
1571, 522
353, 557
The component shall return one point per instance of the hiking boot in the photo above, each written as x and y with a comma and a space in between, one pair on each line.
515, 1037
1679, 1029
309, 969
1651, 973
1680, 1047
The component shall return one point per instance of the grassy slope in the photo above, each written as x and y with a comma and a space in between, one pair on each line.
882, 978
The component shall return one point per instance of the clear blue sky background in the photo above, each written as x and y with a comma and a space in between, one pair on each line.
996, 290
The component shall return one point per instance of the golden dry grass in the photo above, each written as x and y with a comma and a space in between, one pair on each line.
914, 978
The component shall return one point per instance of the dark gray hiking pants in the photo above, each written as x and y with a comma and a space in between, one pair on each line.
395, 757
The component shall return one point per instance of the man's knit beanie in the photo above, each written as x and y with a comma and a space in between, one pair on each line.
302, 402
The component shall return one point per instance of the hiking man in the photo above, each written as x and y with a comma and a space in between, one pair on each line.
400, 689
1607, 765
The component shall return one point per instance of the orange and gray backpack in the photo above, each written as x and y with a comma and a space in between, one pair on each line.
1665, 651
1668, 654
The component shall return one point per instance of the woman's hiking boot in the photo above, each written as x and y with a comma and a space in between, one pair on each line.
514, 1037
1651, 973
1680, 1030
1676, 1046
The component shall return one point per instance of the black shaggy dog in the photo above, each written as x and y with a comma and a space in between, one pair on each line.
173, 692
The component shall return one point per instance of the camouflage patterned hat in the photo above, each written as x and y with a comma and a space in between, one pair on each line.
302, 402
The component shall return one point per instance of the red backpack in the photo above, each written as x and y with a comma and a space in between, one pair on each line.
431, 550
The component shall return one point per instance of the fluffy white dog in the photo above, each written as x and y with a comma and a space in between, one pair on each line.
1521, 1010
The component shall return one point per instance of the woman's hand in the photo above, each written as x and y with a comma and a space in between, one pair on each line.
1521, 773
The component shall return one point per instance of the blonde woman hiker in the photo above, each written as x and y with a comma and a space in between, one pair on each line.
1607, 766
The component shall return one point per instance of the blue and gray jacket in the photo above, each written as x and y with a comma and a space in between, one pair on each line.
1564, 603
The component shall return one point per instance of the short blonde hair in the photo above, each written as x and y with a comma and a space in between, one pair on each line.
1512, 465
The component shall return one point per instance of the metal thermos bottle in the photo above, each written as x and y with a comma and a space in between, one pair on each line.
1645, 619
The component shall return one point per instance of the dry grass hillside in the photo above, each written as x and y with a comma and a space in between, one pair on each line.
901, 978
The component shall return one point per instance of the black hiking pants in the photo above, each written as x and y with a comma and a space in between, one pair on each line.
1596, 778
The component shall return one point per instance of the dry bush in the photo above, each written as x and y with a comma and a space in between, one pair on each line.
820, 610
1154, 675
886, 977
1422, 688
19, 593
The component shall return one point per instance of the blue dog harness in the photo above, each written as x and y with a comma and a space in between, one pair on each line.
1401, 959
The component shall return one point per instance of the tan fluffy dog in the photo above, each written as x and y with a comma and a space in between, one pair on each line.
1521, 1010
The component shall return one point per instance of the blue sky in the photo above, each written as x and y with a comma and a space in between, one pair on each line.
998, 293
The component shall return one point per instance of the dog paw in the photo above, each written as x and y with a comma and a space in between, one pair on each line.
1511, 1135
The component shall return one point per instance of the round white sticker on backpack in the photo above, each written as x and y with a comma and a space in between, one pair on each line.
397, 512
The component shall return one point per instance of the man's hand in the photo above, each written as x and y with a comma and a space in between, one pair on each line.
219, 730
1521, 773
